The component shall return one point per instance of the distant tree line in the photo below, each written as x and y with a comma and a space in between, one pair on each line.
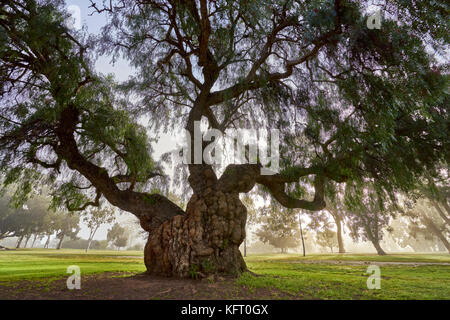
419, 220
38, 221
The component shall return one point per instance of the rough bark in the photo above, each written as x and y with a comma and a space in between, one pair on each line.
203, 241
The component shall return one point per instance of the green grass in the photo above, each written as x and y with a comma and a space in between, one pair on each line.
331, 281
32, 264
280, 271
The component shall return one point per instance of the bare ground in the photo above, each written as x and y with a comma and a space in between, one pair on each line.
116, 286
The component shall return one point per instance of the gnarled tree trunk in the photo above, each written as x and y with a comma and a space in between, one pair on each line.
204, 240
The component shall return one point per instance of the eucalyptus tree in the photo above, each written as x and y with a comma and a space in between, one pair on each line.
369, 213
322, 226
279, 227
336, 209
8, 227
326, 238
67, 226
426, 220
351, 103
437, 191
118, 236
95, 219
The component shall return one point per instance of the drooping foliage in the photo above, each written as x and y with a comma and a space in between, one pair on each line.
352, 104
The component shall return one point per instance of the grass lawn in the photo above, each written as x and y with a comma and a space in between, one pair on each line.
48, 264
321, 276
341, 281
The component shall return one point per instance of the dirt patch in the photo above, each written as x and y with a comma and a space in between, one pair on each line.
361, 263
114, 286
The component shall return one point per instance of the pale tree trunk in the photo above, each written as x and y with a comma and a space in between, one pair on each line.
91, 237
338, 221
339, 235
60, 242
47, 242
26, 240
19, 242
204, 240
89, 244
301, 235
34, 240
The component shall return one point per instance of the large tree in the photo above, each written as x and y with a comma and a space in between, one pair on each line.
350, 103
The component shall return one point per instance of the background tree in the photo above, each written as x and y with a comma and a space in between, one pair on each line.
51, 225
326, 238
437, 191
8, 225
118, 236
38, 208
321, 225
425, 220
68, 226
302, 235
24, 221
406, 237
96, 218
368, 214
279, 228
335, 207
352, 105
